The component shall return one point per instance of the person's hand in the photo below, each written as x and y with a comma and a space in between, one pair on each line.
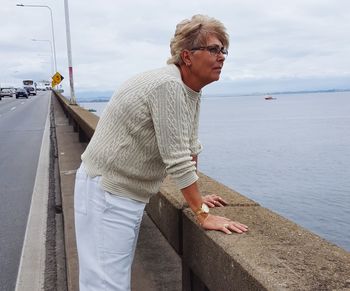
215, 222
214, 201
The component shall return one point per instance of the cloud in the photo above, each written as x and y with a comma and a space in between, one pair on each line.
304, 42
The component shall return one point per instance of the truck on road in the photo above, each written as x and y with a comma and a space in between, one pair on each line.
30, 86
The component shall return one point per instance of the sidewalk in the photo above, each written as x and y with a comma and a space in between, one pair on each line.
156, 265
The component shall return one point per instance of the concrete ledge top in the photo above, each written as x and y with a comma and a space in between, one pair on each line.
85, 115
87, 120
206, 186
276, 254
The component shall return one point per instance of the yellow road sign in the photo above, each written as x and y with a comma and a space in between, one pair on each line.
56, 79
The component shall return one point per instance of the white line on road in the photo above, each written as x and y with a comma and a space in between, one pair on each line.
32, 265
13, 108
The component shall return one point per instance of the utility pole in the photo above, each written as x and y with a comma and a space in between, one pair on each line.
69, 51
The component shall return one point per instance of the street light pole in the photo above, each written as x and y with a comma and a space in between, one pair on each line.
52, 29
46, 40
69, 50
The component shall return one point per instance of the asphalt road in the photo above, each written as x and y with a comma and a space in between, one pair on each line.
22, 124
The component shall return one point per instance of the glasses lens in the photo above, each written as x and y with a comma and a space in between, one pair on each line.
215, 50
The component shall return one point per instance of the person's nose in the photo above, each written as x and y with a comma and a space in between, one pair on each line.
221, 57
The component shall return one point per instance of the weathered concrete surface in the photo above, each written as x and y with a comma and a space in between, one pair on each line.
206, 186
165, 208
156, 265
276, 254
81, 119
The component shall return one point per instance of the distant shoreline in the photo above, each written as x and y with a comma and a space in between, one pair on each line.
106, 99
280, 92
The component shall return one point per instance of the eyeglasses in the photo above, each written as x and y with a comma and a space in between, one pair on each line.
214, 50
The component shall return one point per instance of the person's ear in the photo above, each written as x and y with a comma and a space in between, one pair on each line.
186, 57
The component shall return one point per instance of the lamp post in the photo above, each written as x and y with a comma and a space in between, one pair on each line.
69, 50
46, 40
53, 33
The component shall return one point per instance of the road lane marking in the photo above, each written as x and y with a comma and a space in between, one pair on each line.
31, 270
13, 108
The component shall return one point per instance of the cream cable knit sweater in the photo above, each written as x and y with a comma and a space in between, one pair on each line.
149, 129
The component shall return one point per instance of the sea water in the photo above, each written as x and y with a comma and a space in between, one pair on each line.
290, 154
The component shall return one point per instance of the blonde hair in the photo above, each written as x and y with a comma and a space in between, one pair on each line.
194, 32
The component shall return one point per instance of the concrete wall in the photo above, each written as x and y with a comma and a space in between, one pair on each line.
276, 254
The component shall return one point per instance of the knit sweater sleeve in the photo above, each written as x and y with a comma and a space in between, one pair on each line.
172, 124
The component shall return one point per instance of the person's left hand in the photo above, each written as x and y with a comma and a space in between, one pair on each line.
214, 200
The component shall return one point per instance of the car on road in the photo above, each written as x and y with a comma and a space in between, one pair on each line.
30, 90
21, 93
6, 92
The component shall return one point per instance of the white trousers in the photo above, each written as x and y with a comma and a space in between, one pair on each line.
107, 228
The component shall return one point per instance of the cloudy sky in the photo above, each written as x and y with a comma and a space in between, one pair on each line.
275, 45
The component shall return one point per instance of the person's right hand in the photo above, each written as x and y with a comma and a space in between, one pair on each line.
215, 222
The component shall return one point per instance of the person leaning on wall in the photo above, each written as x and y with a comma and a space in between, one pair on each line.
148, 130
